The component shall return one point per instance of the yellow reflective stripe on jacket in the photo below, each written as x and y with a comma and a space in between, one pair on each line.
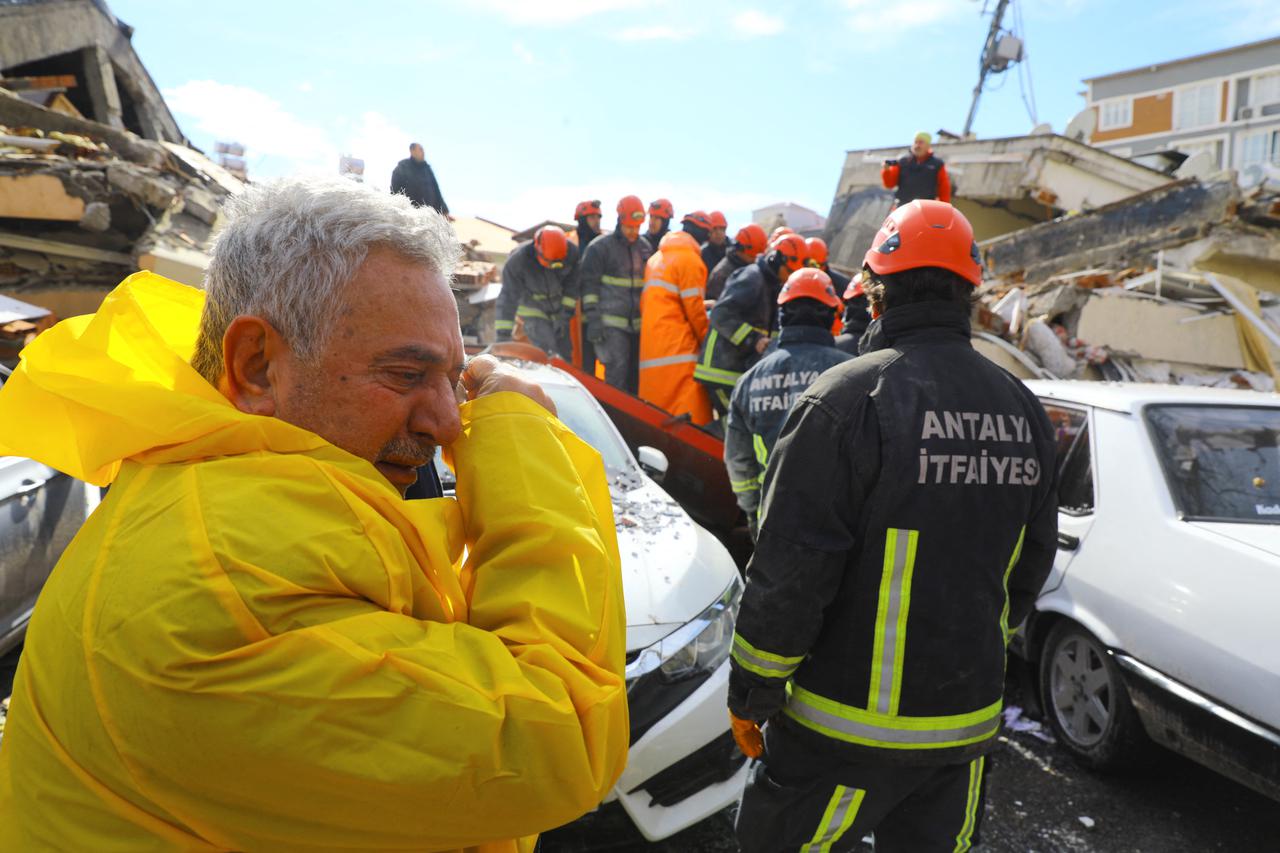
614, 321
762, 455
965, 839
740, 334
868, 728
529, 311
743, 486
842, 811
891, 621
504, 325
590, 299
569, 302
1013, 561
619, 281
766, 664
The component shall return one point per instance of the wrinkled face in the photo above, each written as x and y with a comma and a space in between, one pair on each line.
417, 153
593, 221
717, 236
919, 148
383, 389
630, 231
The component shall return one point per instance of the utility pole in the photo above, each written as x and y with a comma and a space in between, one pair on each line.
998, 53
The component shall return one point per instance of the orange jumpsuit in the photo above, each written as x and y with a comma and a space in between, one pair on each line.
673, 322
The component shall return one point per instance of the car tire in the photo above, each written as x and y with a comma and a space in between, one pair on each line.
1086, 703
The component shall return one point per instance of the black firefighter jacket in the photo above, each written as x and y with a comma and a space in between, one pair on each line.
612, 278
762, 400
534, 292
719, 275
746, 311
909, 521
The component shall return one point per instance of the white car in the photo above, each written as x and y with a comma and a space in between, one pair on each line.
1162, 612
682, 590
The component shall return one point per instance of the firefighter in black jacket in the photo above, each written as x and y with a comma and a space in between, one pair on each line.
857, 316
909, 520
716, 245
540, 286
745, 317
747, 245
806, 310
612, 278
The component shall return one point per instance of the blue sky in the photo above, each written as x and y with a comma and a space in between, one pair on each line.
525, 107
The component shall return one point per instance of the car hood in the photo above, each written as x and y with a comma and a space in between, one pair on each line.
672, 569
1264, 537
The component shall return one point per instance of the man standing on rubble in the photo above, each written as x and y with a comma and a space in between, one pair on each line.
917, 174
673, 323
806, 311
714, 248
413, 177
255, 642
540, 286
747, 245
612, 281
909, 520
744, 318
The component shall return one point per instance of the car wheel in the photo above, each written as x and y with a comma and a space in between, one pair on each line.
1086, 702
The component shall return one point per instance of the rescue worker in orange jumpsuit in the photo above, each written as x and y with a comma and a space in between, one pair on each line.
673, 324
713, 250
661, 212
747, 245
917, 174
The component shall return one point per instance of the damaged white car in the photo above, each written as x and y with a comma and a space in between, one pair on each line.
682, 590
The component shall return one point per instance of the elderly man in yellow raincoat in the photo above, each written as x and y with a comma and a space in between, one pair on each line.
255, 643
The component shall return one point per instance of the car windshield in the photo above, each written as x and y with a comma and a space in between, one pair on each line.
1222, 462
580, 413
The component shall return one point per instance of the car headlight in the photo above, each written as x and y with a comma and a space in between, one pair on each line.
670, 670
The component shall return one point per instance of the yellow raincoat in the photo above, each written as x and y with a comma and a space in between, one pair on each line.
255, 644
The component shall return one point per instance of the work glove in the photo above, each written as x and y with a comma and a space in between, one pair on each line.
746, 733
595, 332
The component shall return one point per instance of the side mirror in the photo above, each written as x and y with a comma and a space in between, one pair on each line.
653, 462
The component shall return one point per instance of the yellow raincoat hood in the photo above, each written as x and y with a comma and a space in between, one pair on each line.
255, 643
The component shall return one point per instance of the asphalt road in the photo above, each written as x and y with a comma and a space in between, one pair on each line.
1038, 801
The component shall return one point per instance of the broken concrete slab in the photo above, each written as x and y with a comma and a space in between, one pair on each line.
38, 195
97, 217
142, 185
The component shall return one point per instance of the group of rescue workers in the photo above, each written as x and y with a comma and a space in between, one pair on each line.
256, 642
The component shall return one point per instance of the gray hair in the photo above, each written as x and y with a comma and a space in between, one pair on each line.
289, 248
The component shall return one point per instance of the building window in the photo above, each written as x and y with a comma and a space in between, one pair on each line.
1196, 106
1115, 114
1264, 89
1261, 146
1212, 148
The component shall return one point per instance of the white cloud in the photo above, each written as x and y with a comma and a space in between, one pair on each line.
888, 16
557, 12
523, 53
657, 32
756, 23
306, 86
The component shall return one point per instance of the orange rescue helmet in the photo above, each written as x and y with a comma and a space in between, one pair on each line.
857, 287
631, 210
700, 219
791, 251
587, 208
926, 233
661, 208
551, 245
809, 283
817, 251
779, 231
718, 220
751, 241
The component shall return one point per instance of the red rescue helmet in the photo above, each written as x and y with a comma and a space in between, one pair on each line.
857, 287
698, 218
751, 241
809, 283
718, 220
551, 245
926, 233
587, 208
817, 251
779, 231
791, 252
661, 208
631, 210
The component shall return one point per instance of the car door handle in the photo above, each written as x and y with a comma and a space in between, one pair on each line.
1067, 542
28, 487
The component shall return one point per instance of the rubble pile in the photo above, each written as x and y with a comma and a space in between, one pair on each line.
1178, 284
475, 288
82, 205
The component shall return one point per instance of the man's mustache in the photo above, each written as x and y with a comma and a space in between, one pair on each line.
410, 454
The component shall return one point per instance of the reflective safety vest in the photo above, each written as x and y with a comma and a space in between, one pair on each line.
612, 278
909, 519
672, 326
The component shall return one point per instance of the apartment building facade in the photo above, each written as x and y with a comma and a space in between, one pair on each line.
1225, 103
